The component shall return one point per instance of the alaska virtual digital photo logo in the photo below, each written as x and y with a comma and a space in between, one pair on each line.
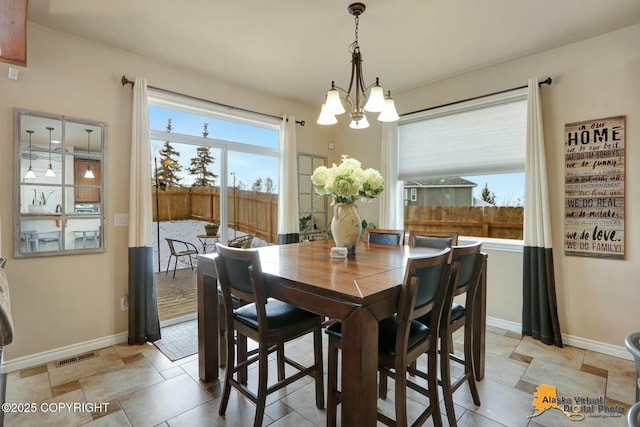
575, 408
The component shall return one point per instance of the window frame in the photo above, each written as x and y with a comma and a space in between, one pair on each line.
187, 104
515, 95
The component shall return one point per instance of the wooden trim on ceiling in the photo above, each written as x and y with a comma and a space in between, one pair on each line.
13, 31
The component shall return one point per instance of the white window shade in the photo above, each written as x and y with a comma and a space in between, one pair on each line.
481, 136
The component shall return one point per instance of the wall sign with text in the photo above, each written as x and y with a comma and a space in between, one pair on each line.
594, 188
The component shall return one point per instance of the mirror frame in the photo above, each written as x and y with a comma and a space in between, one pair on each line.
317, 205
70, 228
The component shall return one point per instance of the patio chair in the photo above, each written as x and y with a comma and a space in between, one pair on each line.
242, 242
189, 249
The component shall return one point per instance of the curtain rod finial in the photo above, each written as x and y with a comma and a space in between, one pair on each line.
125, 81
546, 82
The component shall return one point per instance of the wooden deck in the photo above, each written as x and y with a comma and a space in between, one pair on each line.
176, 297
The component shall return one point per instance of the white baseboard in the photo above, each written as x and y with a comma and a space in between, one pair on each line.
74, 349
61, 353
579, 342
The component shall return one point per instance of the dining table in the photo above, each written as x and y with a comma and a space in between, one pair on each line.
358, 290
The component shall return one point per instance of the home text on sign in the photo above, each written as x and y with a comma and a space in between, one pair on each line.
594, 188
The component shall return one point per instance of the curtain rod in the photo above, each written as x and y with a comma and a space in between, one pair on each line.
125, 81
546, 81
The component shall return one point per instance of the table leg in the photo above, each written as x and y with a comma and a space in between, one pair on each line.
207, 323
359, 369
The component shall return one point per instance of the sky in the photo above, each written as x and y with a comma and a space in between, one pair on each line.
247, 168
508, 187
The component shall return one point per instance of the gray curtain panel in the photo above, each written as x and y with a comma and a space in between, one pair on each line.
540, 309
144, 321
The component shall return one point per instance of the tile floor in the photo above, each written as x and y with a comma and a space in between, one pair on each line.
139, 386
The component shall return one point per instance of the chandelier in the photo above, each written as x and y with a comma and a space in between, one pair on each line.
366, 98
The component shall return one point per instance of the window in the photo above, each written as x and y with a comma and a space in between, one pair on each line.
215, 166
466, 154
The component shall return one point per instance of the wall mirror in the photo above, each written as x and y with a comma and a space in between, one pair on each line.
59, 184
312, 206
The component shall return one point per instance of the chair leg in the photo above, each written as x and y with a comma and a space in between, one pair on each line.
175, 265
401, 396
242, 356
432, 385
445, 378
280, 361
262, 387
168, 265
317, 350
383, 385
332, 383
227, 377
469, 368
190, 262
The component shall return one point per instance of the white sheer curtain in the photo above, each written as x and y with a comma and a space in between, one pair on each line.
539, 310
144, 324
391, 208
288, 213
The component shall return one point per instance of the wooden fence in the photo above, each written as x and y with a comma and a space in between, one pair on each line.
482, 221
257, 213
248, 211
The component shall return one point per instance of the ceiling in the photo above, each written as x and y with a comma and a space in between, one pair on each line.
294, 48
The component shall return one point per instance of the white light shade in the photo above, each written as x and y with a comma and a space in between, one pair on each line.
376, 101
362, 123
50, 173
89, 173
326, 118
334, 105
389, 114
30, 173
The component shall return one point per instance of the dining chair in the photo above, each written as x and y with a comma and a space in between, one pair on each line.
471, 264
186, 249
433, 239
632, 342
427, 286
633, 415
269, 322
384, 236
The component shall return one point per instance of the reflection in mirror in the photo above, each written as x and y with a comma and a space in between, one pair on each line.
313, 208
59, 184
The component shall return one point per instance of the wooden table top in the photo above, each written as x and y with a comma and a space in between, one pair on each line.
357, 279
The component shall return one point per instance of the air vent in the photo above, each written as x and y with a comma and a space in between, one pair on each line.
75, 359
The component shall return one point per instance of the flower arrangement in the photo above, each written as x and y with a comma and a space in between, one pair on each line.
347, 182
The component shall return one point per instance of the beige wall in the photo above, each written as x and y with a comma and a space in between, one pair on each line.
65, 300
598, 298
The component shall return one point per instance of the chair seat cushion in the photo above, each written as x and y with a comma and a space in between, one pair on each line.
188, 252
457, 312
387, 330
280, 315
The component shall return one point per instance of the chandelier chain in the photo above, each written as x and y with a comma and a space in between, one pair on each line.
354, 45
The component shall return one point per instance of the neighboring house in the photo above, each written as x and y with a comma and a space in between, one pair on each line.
447, 191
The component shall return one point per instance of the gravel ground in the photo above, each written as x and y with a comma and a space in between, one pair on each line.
185, 230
